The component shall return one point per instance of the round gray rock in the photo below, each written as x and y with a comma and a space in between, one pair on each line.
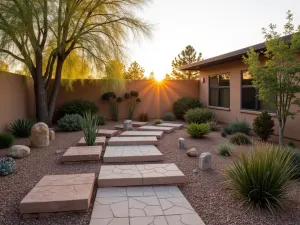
18, 151
39, 137
192, 152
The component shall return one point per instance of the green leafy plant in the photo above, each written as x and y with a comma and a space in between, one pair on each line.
90, 130
240, 139
144, 117
7, 166
21, 127
262, 178
198, 130
100, 119
133, 98
114, 102
263, 126
6, 140
70, 123
199, 115
182, 105
157, 121
225, 149
238, 126
169, 116
78, 106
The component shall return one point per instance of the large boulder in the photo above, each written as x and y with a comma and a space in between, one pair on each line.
192, 152
39, 137
18, 151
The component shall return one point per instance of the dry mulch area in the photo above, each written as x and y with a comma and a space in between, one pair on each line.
206, 191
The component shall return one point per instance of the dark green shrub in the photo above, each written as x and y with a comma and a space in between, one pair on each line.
70, 123
7, 166
227, 130
182, 105
157, 121
198, 130
263, 126
237, 126
225, 149
262, 178
21, 127
199, 115
90, 130
144, 117
240, 139
6, 140
78, 106
223, 133
291, 144
100, 119
169, 116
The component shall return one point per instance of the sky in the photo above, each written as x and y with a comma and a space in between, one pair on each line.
212, 27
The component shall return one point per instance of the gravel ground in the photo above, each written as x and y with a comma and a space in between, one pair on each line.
206, 191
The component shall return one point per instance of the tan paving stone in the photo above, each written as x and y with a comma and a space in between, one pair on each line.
157, 128
82, 153
175, 125
140, 153
99, 141
138, 133
107, 133
126, 141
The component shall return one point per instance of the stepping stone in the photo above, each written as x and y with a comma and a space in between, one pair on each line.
107, 133
137, 175
157, 128
141, 153
59, 193
119, 141
99, 141
151, 205
175, 125
138, 133
85, 153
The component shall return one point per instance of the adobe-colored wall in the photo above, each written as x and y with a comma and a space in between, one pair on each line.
235, 112
157, 98
13, 98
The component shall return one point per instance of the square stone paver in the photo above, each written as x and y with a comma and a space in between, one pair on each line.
140, 153
82, 153
107, 133
125, 141
141, 174
175, 125
157, 128
59, 193
139, 133
150, 205
99, 141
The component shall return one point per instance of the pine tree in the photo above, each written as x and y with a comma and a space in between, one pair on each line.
151, 76
187, 56
135, 72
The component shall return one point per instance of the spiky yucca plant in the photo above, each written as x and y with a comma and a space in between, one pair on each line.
21, 127
262, 178
90, 129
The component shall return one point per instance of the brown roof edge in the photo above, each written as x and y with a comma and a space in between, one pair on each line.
227, 57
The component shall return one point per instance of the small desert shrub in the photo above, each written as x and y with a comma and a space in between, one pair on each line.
199, 115
291, 144
263, 126
21, 127
223, 133
169, 116
157, 121
6, 140
100, 119
240, 139
198, 130
144, 117
182, 105
262, 178
225, 149
213, 125
238, 127
78, 106
70, 123
90, 130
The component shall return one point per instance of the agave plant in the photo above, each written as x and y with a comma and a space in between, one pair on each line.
21, 127
90, 129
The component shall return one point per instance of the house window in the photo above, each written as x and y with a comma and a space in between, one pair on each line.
219, 90
250, 99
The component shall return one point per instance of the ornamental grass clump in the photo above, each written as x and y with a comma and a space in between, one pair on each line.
238, 126
225, 149
198, 130
262, 178
90, 130
21, 128
240, 139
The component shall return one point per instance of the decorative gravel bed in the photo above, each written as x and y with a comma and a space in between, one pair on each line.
206, 191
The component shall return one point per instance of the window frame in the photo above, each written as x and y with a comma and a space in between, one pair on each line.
218, 87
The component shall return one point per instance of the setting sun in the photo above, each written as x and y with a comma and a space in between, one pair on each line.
159, 78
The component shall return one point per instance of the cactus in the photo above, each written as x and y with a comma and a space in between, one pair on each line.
7, 166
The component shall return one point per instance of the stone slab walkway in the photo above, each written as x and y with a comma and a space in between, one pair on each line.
59, 193
157, 128
152, 205
82, 153
125, 141
175, 125
141, 153
107, 133
141, 174
157, 134
99, 141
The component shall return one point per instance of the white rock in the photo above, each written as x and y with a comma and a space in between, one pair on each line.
39, 137
192, 152
181, 143
127, 125
205, 161
18, 151
51, 135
